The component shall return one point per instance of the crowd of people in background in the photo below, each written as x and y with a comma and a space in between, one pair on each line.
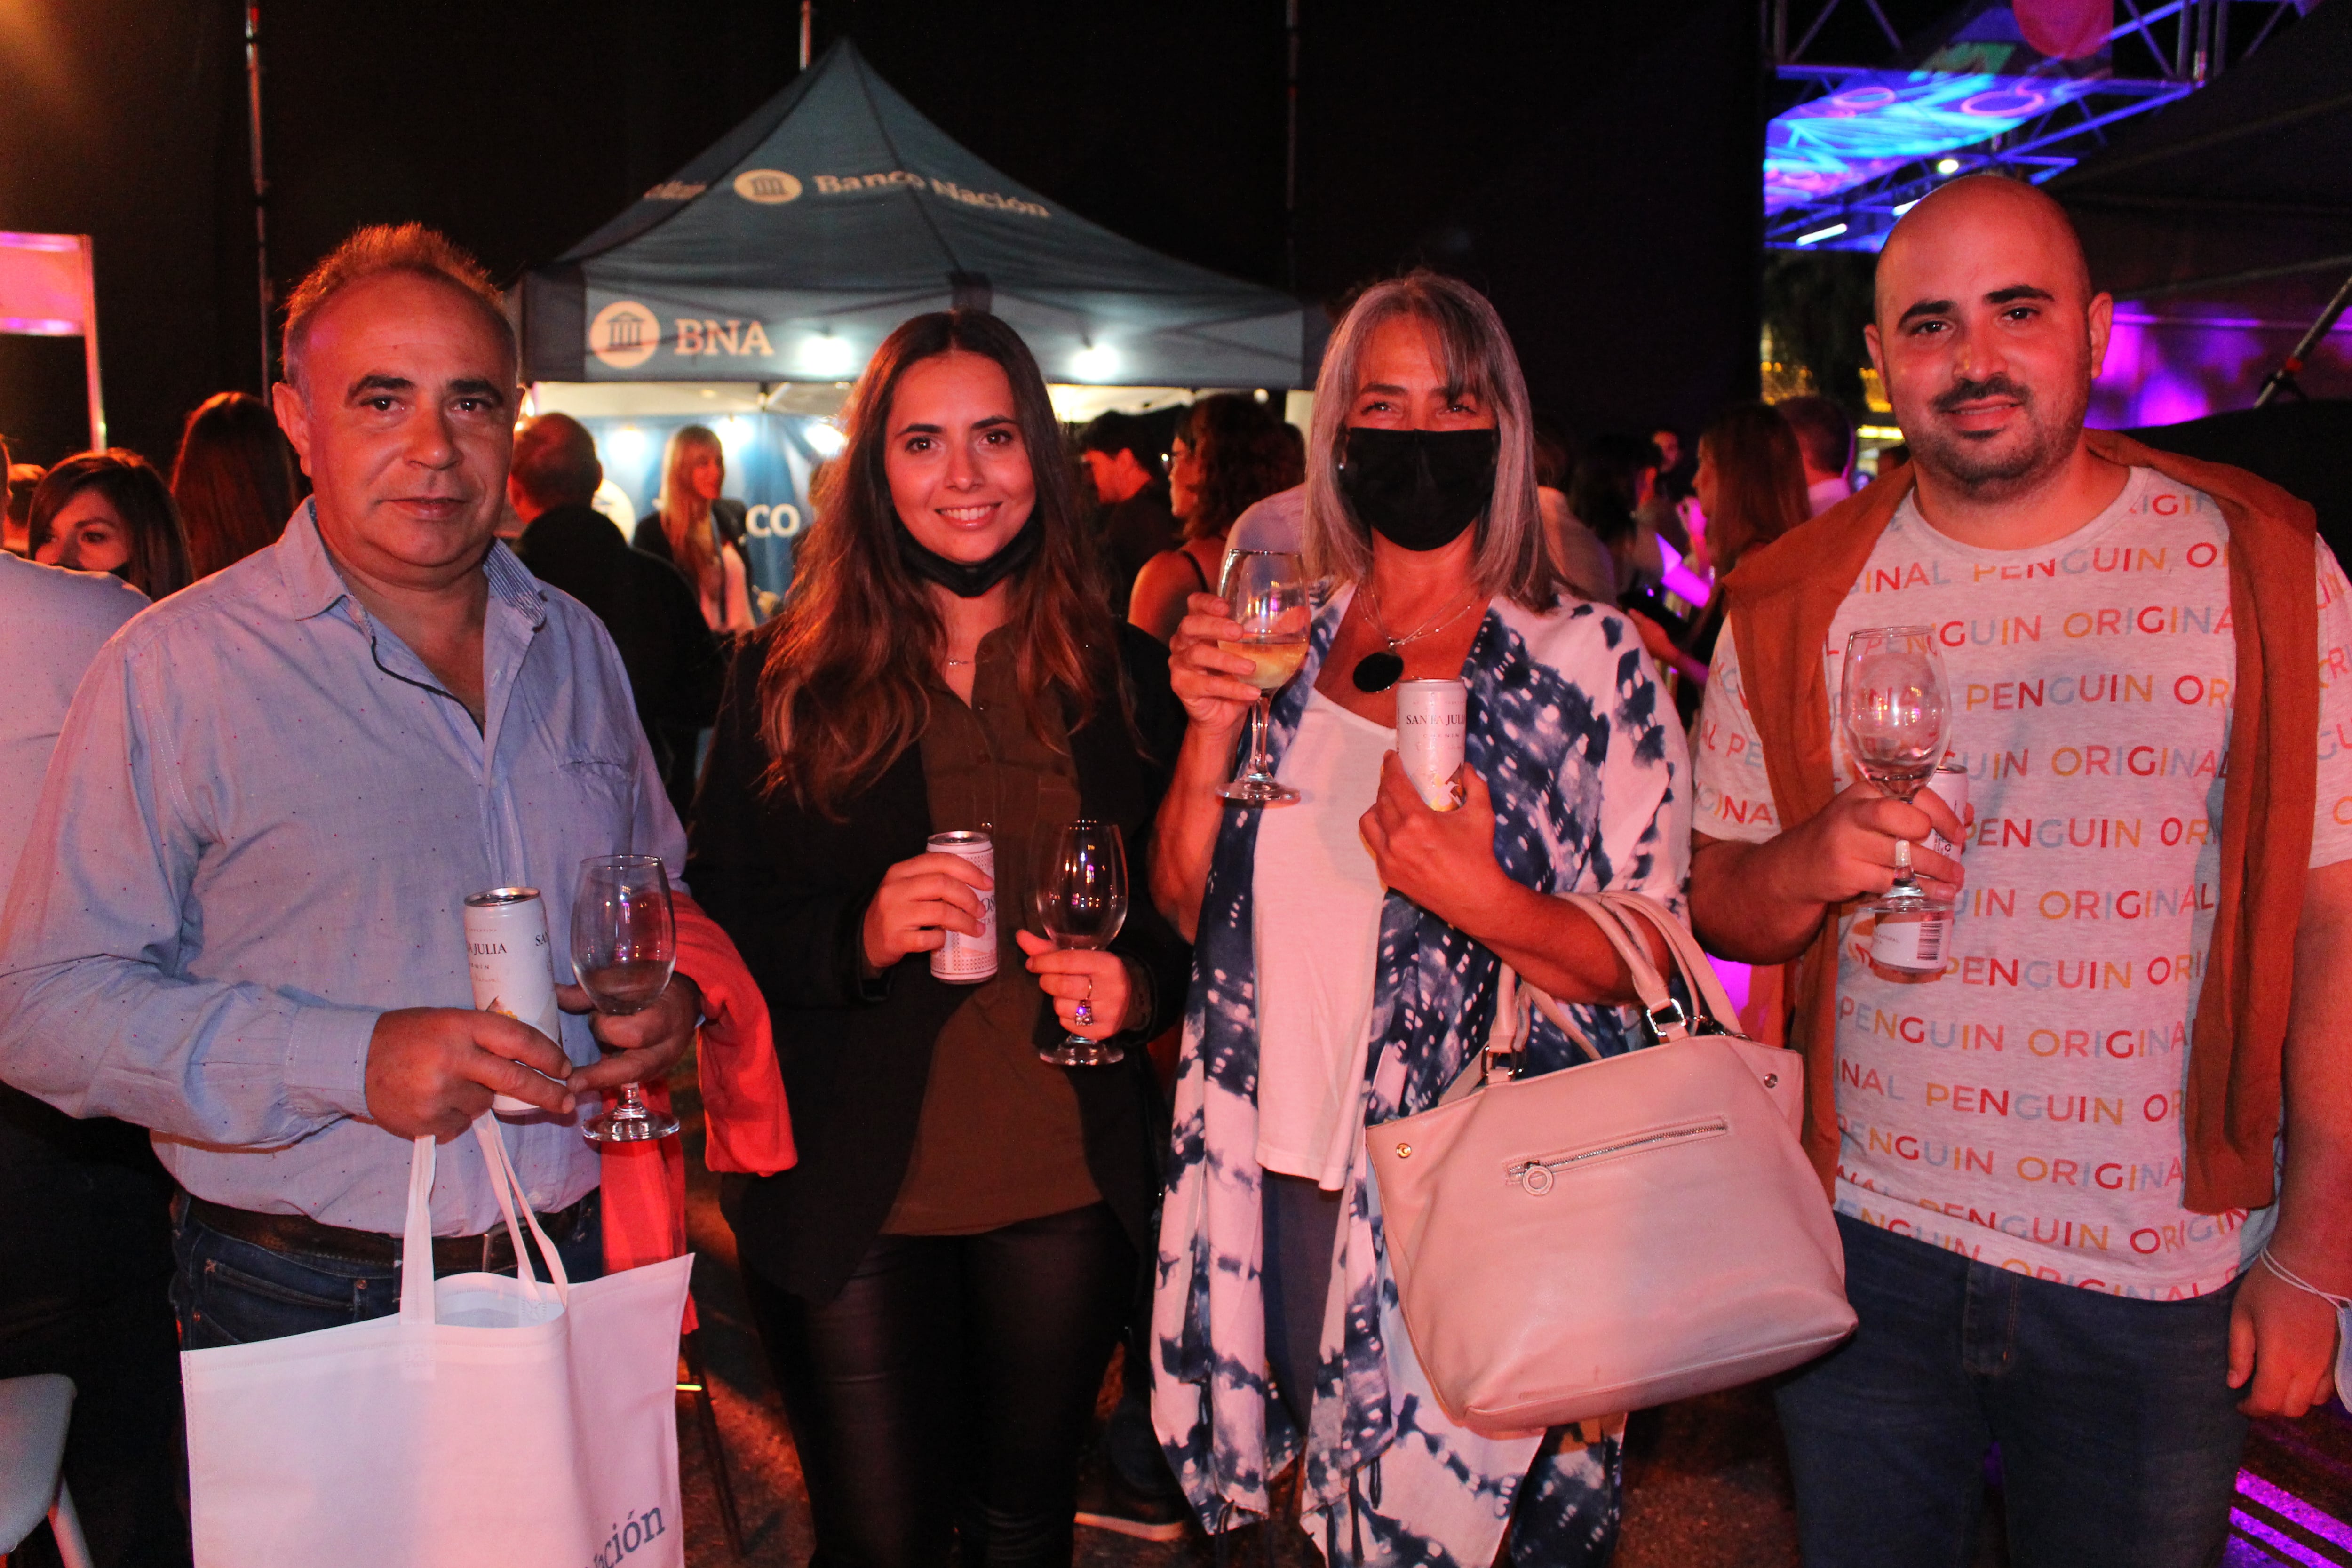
995, 619
1162, 491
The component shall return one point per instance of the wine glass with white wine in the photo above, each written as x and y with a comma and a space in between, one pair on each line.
1266, 593
625, 944
1895, 708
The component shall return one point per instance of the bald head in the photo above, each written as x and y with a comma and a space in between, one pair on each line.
1988, 335
1987, 215
554, 465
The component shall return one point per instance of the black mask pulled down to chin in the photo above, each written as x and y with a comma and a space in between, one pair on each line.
1419, 488
970, 582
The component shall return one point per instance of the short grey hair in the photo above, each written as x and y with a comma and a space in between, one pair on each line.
376, 249
1478, 358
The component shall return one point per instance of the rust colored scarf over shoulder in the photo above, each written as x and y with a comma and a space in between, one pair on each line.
1781, 602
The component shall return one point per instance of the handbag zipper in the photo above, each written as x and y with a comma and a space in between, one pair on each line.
1537, 1176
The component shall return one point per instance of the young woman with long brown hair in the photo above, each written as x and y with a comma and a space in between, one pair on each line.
110, 511
940, 1280
683, 529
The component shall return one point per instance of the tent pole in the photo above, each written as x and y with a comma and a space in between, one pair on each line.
808, 20
1290, 152
261, 181
2282, 379
89, 345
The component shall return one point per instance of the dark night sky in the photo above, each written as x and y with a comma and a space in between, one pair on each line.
1592, 165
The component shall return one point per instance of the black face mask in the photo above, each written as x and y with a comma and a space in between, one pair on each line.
1418, 488
971, 582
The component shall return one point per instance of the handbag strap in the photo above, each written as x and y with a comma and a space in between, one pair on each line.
1683, 950
1619, 918
1506, 1037
1664, 1016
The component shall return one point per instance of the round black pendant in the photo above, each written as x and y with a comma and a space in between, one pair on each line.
1378, 670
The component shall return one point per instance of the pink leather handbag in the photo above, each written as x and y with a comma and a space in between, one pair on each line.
1616, 1234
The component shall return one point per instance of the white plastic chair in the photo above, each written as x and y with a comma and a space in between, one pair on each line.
34, 1413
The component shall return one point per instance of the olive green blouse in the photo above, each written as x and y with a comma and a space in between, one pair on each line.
1000, 1140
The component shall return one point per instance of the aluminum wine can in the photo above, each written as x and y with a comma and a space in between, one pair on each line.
513, 968
1433, 718
968, 960
1920, 944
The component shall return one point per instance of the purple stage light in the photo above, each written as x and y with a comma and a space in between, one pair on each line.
1880, 122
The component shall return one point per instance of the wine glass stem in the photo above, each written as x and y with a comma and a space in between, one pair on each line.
633, 1099
1258, 764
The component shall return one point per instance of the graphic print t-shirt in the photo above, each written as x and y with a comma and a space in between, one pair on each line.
2023, 1105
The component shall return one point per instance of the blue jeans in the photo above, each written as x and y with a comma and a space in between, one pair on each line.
231, 1292
2119, 1434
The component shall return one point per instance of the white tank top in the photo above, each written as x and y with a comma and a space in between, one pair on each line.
1316, 925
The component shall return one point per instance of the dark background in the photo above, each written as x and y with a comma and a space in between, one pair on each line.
1593, 166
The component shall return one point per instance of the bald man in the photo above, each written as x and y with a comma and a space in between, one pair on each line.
2068, 1230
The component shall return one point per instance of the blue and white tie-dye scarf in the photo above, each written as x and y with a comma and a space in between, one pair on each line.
1572, 731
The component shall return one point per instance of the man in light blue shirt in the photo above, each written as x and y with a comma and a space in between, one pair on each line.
239, 920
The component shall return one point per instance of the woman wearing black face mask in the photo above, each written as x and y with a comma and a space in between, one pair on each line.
1348, 949
940, 1280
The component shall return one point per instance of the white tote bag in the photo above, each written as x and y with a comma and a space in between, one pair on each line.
495, 1421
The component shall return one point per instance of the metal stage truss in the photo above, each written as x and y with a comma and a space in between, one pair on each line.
1853, 144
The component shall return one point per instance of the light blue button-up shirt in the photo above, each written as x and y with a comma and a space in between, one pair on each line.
258, 833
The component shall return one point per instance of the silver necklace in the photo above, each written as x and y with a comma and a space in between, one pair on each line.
1381, 668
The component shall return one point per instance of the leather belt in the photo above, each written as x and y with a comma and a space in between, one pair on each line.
492, 1252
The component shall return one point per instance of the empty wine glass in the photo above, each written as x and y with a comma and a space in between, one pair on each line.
1897, 715
623, 945
1266, 590
1080, 898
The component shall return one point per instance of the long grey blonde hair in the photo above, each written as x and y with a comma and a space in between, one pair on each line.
685, 516
1477, 358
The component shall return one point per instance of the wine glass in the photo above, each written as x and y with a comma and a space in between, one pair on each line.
1266, 590
1897, 715
623, 945
1080, 897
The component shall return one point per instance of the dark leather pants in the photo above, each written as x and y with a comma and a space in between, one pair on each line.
948, 1389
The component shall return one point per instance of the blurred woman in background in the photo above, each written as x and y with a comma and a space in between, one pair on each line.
1584, 564
1612, 482
1229, 451
233, 481
682, 531
1750, 487
109, 511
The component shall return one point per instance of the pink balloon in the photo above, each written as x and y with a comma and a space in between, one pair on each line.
2065, 29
